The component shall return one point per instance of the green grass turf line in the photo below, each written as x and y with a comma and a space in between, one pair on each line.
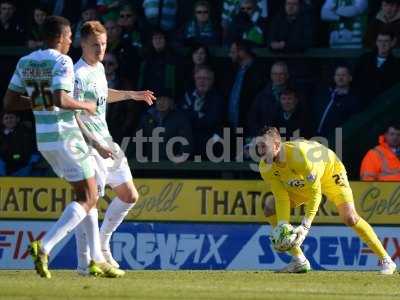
207, 285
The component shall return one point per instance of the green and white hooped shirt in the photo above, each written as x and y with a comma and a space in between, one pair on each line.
91, 84
39, 74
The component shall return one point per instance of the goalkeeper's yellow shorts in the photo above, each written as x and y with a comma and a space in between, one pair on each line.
335, 187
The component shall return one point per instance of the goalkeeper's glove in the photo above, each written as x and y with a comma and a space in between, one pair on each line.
301, 231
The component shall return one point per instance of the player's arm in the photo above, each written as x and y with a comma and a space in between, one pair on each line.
63, 100
62, 83
16, 101
312, 179
117, 95
282, 201
281, 196
91, 140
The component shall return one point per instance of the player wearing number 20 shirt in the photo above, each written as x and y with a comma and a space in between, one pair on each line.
59, 138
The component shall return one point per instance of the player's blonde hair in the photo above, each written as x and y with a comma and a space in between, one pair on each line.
92, 27
271, 133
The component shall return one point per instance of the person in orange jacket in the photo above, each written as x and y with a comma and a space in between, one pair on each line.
382, 163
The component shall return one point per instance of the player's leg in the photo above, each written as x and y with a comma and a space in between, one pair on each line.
339, 191
85, 191
90, 258
299, 263
82, 249
88, 236
119, 177
119, 207
367, 234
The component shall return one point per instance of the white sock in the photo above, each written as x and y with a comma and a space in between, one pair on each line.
299, 258
73, 214
90, 225
114, 216
82, 247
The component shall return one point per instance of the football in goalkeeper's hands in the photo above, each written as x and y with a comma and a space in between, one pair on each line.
283, 237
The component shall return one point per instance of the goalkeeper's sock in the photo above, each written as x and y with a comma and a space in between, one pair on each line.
368, 236
272, 220
297, 253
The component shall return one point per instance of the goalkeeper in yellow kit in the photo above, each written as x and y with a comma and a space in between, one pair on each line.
299, 172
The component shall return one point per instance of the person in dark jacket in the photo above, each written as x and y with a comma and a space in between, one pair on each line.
267, 101
11, 31
291, 116
249, 25
205, 108
199, 56
377, 71
127, 55
334, 106
35, 28
161, 67
387, 19
201, 28
292, 30
165, 121
242, 84
17, 147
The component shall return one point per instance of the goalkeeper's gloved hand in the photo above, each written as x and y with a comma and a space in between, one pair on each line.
301, 231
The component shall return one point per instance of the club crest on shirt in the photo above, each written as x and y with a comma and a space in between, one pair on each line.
311, 178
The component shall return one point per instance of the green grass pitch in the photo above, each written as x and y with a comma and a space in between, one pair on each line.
227, 285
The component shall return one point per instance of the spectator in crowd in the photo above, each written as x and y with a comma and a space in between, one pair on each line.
291, 116
89, 13
160, 69
231, 8
243, 83
205, 107
199, 56
347, 20
201, 28
334, 106
17, 147
248, 24
35, 29
127, 55
109, 9
292, 30
382, 163
267, 101
387, 19
377, 71
173, 123
11, 31
130, 25
161, 13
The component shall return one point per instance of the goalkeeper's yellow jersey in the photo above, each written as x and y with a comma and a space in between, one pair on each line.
305, 170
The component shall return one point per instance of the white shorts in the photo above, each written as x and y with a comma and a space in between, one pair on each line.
69, 165
112, 172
